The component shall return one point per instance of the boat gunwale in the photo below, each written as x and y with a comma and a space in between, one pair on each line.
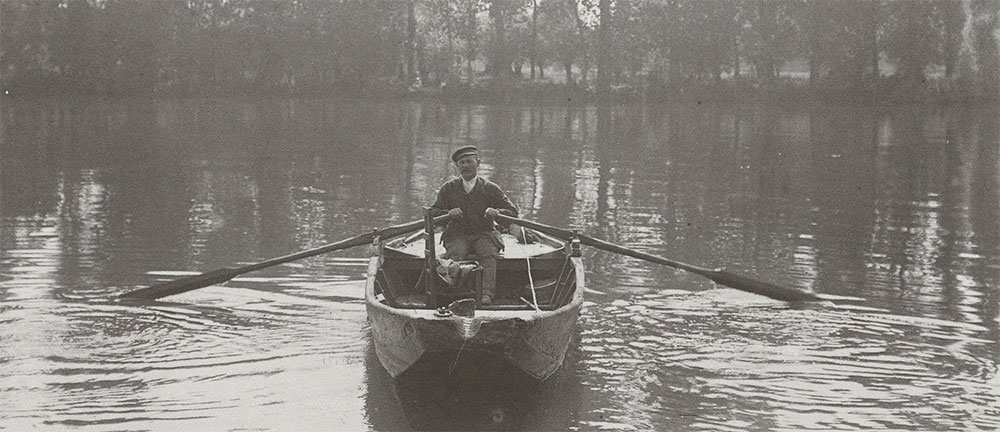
576, 301
558, 246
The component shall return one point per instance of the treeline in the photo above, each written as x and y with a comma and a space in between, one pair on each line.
631, 48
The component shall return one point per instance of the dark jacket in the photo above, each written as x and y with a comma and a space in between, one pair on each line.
473, 204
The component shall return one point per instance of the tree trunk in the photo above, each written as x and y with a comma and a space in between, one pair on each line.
604, 48
813, 69
422, 67
736, 58
451, 54
468, 70
534, 37
470, 45
985, 45
411, 39
954, 22
578, 51
873, 47
815, 42
501, 63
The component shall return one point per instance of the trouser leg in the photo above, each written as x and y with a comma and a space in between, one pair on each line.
456, 248
487, 253
489, 265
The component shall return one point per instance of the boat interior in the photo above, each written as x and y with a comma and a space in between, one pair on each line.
402, 279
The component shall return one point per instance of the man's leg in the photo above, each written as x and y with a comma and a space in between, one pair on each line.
456, 248
487, 252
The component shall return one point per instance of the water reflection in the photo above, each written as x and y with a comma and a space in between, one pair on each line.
718, 364
898, 207
479, 393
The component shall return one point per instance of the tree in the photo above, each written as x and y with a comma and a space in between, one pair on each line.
534, 39
773, 37
985, 25
914, 39
562, 37
25, 39
503, 14
471, 31
702, 41
953, 15
232, 46
835, 44
604, 34
441, 29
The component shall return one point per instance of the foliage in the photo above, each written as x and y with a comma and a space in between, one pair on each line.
335, 47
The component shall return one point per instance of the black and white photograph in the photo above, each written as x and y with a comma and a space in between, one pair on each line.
502, 215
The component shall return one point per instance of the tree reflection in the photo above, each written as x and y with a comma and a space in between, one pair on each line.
895, 205
477, 392
984, 217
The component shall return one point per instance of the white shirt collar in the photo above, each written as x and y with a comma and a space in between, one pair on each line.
469, 184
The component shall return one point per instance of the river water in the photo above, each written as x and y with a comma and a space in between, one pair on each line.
891, 213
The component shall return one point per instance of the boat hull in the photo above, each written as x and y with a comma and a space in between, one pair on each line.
534, 341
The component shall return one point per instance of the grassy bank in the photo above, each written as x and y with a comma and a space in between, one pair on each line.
786, 90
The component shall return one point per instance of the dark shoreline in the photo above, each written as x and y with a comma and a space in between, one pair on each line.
882, 93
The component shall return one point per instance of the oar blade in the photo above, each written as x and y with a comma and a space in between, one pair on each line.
766, 289
721, 277
184, 284
221, 275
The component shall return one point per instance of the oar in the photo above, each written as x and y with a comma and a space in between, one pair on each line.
224, 274
718, 275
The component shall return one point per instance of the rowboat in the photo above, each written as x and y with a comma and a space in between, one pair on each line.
418, 317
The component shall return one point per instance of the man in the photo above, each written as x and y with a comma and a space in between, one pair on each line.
473, 202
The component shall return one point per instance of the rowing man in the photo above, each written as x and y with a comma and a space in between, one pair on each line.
473, 202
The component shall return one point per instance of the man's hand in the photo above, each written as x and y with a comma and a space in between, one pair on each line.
491, 212
455, 212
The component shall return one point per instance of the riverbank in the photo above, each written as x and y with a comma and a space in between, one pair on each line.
784, 91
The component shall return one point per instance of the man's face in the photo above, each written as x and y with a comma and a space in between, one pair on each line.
468, 166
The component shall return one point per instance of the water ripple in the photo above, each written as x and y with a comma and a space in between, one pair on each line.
805, 368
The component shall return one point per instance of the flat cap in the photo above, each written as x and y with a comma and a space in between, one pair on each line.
464, 151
